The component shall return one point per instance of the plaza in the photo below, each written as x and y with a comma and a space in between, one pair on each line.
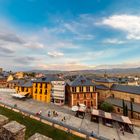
34, 106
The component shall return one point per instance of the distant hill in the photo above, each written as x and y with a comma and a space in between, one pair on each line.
98, 71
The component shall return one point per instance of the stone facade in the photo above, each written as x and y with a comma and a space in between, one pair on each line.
3, 121
87, 96
126, 96
119, 110
13, 131
103, 94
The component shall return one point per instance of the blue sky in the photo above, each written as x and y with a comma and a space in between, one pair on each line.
69, 34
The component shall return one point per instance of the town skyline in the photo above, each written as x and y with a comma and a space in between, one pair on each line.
49, 35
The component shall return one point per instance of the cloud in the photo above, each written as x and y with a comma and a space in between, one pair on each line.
127, 23
85, 37
79, 29
24, 60
113, 41
11, 37
55, 54
6, 50
35, 45
66, 66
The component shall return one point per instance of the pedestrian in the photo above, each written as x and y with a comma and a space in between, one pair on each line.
40, 112
49, 113
92, 133
15, 105
54, 113
123, 131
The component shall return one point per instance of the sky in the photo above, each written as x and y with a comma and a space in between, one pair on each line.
69, 34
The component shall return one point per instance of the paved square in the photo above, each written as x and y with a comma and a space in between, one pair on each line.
70, 119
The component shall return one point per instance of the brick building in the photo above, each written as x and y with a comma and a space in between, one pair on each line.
114, 93
82, 91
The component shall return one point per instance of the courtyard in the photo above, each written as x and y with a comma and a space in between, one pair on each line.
70, 119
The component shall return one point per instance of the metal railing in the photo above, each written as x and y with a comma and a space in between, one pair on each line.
53, 121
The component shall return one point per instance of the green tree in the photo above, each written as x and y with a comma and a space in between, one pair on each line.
131, 106
124, 108
105, 106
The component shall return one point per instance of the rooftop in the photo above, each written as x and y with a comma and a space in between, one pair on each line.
28, 84
126, 88
81, 81
47, 79
118, 102
105, 80
102, 87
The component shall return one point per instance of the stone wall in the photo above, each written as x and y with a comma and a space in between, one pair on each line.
119, 110
13, 131
16, 131
3, 120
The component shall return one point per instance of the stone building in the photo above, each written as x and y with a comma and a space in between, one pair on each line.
114, 93
3, 82
82, 91
1, 70
16, 131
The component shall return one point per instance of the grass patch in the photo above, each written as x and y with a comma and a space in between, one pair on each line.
33, 126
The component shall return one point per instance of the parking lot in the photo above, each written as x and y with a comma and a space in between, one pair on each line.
70, 119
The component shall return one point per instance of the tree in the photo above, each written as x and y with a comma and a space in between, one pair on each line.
105, 106
124, 108
131, 106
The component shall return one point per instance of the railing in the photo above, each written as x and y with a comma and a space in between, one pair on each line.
53, 121
7, 90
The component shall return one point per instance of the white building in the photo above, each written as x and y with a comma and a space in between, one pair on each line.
58, 92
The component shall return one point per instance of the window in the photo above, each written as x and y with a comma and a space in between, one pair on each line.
41, 85
40, 91
132, 99
77, 103
81, 89
91, 95
73, 89
85, 102
45, 98
118, 109
35, 96
45, 92
94, 88
40, 98
88, 89
85, 95
91, 103
35, 90
77, 96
